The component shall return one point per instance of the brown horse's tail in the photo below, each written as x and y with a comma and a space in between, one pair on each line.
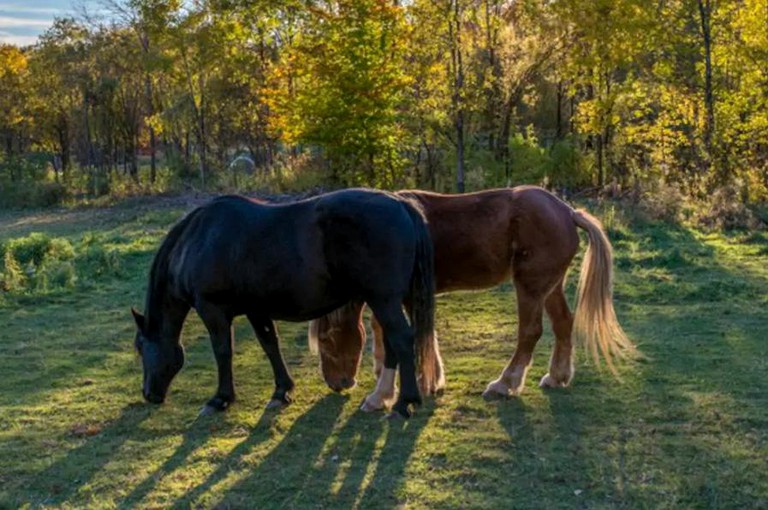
595, 322
422, 298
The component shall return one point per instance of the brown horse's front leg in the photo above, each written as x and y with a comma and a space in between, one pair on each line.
427, 387
386, 387
399, 354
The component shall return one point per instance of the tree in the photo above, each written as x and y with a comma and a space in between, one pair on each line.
347, 86
13, 98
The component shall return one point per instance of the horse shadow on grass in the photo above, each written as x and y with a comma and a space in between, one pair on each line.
193, 439
702, 327
54, 484
319, 461
679, 431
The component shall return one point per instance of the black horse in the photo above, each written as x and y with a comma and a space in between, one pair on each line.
296, 262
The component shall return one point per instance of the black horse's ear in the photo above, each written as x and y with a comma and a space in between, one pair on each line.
139, 319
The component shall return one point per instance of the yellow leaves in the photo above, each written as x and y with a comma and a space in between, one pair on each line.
752, 21
12, 62
155, 122
13, 74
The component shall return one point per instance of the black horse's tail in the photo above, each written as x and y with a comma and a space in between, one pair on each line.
422, 297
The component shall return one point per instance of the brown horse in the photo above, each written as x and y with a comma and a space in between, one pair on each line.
481, 240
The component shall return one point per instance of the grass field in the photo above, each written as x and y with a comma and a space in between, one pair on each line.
687, 428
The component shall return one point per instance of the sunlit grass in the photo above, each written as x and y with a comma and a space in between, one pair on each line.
688, 427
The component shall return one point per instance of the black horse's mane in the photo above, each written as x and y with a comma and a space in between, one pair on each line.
158, 275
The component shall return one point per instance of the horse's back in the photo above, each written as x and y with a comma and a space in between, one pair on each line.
369, 238
477, 235
241, 251
471, 234
297, 260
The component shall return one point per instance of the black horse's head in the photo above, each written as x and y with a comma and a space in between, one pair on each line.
161, 361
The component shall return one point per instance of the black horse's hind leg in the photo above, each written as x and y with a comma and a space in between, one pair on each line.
219, 326
267, 335
399, 351
382, 396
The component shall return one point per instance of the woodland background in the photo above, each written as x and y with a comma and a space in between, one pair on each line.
664, 100
657, 109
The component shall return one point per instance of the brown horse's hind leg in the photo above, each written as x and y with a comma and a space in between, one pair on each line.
512, 380
561, 363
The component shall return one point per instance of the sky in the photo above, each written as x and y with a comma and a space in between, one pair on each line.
22, 21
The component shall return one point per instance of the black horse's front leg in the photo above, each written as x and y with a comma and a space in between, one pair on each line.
219, 325
267, 335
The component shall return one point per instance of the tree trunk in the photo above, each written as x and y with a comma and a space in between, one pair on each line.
599, 149
493, 94
88, 138
65, 153
201, 146
454, 32
460, 152
705, 13
559, 112
152, 156
135, 159
9, 145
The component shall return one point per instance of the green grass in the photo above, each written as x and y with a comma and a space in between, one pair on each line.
687, 428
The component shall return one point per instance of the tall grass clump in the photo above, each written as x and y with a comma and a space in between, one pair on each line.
95, 261
39, 263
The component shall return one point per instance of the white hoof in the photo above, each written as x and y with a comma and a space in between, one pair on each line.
550, 382
496, 390
371, 404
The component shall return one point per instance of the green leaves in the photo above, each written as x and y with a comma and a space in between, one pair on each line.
398, 94
341, 86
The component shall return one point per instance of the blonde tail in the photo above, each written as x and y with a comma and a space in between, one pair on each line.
595, 322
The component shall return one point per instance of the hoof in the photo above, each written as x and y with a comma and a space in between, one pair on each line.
431, 390
496, 391
207, 410
369, 407
492, 396
276, 403
280, 399
219, 404
550, 382
393, 417
402, 409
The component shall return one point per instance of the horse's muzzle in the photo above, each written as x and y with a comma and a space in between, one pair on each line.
341, 384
